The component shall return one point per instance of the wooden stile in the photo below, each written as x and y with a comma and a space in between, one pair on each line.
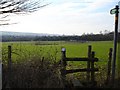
90, 65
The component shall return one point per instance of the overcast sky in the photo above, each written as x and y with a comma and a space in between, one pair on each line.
68, 17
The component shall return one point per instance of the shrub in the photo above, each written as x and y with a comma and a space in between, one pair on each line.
34, 73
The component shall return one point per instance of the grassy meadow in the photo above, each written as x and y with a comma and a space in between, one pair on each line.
22, 50
51, 51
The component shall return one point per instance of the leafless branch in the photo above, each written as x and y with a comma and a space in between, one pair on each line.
19, 6
11, 6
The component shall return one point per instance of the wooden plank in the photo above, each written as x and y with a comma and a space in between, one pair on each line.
81, 70
82, 59
76, 83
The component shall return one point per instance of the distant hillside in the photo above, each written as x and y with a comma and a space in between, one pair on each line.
7, 33
16, 36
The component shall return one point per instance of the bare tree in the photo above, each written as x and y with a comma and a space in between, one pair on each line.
8, 7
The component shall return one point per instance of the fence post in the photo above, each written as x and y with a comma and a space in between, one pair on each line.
9, 65
88, 62
63, 62
92, 68
109, 66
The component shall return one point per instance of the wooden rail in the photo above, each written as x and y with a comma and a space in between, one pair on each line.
82, 59
81, 70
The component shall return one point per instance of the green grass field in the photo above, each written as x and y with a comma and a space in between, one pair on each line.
52, 50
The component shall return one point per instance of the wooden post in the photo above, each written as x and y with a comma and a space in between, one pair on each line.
9, 65
64, 57
115, 44
9, 58
92, 67
109, 66
88, 62
63, 62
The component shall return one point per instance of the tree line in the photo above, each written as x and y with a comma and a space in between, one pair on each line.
85, 37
